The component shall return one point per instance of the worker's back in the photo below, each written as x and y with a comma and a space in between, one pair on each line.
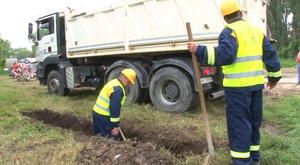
247, 69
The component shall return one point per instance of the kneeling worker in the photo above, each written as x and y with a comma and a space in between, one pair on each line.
106, 111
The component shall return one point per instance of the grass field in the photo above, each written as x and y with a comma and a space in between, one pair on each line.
289, 62
2, 72
23, 141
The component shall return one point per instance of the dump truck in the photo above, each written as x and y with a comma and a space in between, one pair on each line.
88, 48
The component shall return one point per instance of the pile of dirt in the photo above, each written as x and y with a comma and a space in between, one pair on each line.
108, 152
101, 150
179, 143
146, 140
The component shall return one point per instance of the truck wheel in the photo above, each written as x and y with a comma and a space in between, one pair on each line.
133, 92
54, 84
171, 90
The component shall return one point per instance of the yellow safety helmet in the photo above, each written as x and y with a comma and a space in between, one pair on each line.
229, 7
130, 74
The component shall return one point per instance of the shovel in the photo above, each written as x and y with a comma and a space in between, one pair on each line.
202, 100
122, 135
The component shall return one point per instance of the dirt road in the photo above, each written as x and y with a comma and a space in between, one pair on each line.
287, 85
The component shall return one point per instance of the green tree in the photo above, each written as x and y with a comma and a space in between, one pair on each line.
22, 53
33, 49
5, 51
34, 46
285, 30
294, 6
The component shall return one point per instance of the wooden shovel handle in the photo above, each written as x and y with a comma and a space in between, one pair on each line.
123, 137
201, 94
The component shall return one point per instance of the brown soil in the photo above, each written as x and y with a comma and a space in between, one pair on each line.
286, 86
108, 152
146, 139
289, 72
178, 142
283, 89
64, 121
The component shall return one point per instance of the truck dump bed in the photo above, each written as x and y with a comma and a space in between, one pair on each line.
149, 26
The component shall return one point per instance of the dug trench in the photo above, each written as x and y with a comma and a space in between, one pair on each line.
142, 136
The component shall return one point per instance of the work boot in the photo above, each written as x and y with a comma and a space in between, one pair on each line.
255, 162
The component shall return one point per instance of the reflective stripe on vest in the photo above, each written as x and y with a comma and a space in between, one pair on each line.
274, 74
254, 147
117, 119
210, 55
249, 58
244, 74
247, 69
102, 102
235, 154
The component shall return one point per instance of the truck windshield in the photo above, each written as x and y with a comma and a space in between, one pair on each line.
45, 27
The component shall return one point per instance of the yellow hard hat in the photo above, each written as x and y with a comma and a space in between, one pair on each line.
229, 7
130, 74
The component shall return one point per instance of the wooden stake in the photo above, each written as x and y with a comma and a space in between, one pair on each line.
202, 100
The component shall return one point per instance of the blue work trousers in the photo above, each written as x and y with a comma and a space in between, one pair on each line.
244, 116
102, 126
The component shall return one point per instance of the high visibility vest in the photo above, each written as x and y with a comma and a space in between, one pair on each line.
247, 69
103, 100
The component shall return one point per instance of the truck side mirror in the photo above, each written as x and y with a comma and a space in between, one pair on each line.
30, 30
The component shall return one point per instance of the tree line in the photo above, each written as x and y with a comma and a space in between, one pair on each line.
6, 52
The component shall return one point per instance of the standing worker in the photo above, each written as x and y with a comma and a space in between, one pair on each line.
298, 60
241, 52
106, 113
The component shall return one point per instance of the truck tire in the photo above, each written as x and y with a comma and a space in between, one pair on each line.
54, 84
133, 92
171, 90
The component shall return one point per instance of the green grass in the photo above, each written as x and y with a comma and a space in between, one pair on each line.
25, 142
287, 62
2, 72
286, 147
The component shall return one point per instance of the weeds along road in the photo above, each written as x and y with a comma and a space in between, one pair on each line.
36, 128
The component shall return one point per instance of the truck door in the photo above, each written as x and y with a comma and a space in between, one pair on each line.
46, 37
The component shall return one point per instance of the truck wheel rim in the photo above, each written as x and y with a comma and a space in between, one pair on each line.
54, 85
170, 92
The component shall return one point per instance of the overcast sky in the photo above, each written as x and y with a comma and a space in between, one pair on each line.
16, 14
